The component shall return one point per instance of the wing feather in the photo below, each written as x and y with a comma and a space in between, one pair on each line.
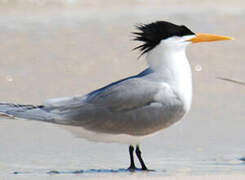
130, 94
135, 106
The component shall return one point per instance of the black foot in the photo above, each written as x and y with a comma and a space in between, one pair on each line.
138, 153
144, 169
132, 169
132, 166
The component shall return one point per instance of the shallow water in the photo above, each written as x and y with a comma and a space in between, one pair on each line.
55, 52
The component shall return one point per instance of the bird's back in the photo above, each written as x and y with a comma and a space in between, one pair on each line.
135, 106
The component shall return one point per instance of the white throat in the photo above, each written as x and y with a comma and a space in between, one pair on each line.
169, 62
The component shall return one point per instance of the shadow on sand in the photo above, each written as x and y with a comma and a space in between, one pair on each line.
88, 171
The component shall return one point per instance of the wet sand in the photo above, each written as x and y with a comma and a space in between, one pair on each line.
57, 50
134, 177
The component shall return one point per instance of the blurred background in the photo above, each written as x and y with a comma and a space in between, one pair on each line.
55, 48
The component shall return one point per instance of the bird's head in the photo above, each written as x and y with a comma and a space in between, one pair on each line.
169, 35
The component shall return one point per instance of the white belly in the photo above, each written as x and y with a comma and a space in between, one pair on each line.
103, 137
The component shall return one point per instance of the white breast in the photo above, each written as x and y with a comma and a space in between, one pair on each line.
169, 62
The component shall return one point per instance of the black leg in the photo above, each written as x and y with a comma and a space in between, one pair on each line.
138, 153
131, 154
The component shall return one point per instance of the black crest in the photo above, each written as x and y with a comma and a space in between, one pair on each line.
151, 34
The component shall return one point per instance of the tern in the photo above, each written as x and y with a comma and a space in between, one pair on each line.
128, 110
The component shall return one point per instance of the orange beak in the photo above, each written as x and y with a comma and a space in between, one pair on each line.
202, 37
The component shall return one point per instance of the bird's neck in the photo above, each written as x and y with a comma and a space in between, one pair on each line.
172, 67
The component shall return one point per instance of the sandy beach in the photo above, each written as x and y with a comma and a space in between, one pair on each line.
62, 48
134, 177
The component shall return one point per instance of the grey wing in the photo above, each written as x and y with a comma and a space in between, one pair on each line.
128, 107
125, 96
120, 97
